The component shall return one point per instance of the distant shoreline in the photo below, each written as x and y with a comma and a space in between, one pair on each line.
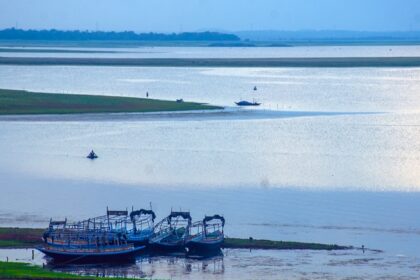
339, 62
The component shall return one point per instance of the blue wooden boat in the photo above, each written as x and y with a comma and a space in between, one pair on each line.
92, 254
142, 227
207, 235
78, 242
136, 227
170, 233
247, 103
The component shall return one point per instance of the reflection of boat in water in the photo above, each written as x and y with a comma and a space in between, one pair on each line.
170, 233
92, 155
247, 103
74, 242
207, 235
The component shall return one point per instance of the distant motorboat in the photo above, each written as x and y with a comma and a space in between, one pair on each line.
92, 155
247, 103
255, 88
179, 100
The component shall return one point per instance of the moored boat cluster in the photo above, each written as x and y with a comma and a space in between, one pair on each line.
121, 236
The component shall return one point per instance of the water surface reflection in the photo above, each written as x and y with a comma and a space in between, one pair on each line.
255, 264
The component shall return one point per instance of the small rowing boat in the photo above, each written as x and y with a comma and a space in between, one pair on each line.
92, 155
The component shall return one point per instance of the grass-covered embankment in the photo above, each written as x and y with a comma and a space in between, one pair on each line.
20, 237
240, 243
15, 102
14, 270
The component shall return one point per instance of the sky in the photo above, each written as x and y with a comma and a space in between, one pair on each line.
218, 15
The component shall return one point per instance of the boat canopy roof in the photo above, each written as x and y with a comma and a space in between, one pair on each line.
142, 212
185, 215
214, 217
58, 223
116, 213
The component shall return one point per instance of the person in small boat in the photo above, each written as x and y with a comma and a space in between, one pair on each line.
92, 154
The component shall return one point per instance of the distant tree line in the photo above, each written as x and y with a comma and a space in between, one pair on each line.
77, 35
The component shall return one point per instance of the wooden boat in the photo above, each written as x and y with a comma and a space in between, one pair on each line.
114, 222
142, 227
91, 254
207, 235
170, 233
136, 227
77, 242
247, 103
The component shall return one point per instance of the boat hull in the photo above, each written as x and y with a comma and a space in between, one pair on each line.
204, 246
168, 247
139, 243
247, 104
60, 255
139, 239
167, 243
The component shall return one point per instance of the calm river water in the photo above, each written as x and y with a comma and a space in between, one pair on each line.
331, 156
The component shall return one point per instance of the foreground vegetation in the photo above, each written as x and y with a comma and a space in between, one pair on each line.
14, 270
239, 243
11, 270
14, 102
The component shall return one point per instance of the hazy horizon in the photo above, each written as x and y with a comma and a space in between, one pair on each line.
223, 30
217, 15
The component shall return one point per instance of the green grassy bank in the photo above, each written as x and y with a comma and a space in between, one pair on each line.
20, 237
15, 102
13, 270
239, 243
